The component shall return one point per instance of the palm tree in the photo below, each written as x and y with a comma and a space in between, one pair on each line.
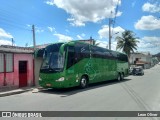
127, 43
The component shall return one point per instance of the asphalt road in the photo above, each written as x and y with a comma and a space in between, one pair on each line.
135, 93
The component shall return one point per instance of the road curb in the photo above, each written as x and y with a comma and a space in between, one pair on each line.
12, 93
19, 91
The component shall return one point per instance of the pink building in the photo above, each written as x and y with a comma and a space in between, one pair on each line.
16, 67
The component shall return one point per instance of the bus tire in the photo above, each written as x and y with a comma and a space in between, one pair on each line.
119, 77
83, 82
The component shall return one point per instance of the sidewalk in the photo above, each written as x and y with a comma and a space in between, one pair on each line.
18, 91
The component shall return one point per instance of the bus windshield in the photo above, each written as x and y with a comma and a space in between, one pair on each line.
53, 60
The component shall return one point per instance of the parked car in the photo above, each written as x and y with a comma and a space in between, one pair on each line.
137, 71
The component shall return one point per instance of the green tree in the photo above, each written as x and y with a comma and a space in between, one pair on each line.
128, 42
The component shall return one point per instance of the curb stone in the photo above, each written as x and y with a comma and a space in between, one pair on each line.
13, 92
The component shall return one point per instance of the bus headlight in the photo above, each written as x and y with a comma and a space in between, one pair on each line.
60, 79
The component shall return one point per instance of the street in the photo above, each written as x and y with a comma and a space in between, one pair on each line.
135, 93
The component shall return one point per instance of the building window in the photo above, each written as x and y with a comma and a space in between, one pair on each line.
6, 62
1, 62
9, 62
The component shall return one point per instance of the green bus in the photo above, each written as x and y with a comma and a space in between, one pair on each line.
79, 64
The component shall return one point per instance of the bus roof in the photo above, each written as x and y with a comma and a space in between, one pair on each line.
38, 53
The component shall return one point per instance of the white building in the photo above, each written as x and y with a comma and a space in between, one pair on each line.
143, 59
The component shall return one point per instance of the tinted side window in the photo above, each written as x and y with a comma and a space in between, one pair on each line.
71, 56
114, 54
122, 57
125, 58
82, 51
98, 52
101, 53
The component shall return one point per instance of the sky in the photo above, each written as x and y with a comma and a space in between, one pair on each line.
66, 20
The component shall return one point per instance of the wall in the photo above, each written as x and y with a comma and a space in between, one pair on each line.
1, 79
38, 62
12, 78
143, 57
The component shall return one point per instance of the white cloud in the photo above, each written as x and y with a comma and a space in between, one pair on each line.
81, 36
63, 38
154, 39
101, 43
104, 44
148, 23
39, 30
5, 42
144, 45
153, 8
114, 45
87, 11
104, 31
28, 25
4, 34
49, 2
149, 44
51, 29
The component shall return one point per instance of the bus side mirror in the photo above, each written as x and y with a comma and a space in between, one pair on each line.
62, 49
39, 53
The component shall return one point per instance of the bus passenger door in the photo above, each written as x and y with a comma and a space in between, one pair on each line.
70, 65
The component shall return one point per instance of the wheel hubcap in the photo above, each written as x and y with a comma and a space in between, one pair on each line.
83, 82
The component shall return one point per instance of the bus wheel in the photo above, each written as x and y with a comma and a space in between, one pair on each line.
122, 76
119, 77
83, 82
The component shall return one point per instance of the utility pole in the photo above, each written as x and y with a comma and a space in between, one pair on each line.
110, 22
34, 46
12, 41
34, 39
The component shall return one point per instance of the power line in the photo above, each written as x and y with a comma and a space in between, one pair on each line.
12, 26
11, 11
23, 15
114, 20
12, 18
113, 23
7, 19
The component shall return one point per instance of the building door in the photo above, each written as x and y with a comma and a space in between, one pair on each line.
22, 73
